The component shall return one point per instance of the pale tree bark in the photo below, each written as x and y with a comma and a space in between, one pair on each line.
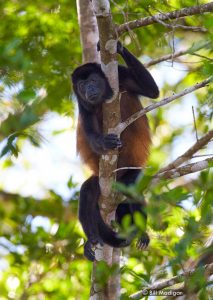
88, 31
185, 170
89, 39
177, 172
111, 116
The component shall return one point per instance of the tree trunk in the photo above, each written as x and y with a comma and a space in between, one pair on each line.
111, 118
108, 163
88, 31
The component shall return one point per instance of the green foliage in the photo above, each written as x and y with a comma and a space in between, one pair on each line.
41, 240
51, 255
36, 49
104, 272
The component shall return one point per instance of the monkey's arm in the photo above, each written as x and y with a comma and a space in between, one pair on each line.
98, 142
136, 78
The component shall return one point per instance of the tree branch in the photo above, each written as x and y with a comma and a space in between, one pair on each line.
177, 14
166, 57
178, 26
176, 172
172, 56
170, 282
122, 126
190, 28
181, 171
189, 153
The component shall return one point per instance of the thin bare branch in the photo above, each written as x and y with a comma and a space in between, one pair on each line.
194, 120
128, 168
202, 155
185, 170
177, 14
179, 26
122, 126
166, 57
170, 282
172, 56
189, 153
176, 172
202, 56
190, 28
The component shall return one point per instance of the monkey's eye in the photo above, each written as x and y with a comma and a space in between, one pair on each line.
93, 78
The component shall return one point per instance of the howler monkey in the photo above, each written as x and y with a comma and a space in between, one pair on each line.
92, 90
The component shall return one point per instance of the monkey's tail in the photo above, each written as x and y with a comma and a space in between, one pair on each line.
109, 236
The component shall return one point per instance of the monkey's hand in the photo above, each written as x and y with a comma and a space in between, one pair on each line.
101, 143
111, 141
143, 241
89, 248
120, 47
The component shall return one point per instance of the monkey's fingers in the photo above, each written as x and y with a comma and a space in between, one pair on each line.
143, 242
96, 240
111, 141
88, 251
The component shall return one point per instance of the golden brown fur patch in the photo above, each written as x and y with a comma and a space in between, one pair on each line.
136, 139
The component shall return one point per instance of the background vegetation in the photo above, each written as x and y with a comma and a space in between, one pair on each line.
39, 49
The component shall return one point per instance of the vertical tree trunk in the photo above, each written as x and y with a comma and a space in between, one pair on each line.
111, 118
88, 31
108, 163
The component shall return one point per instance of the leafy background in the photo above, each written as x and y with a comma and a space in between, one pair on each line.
41, 239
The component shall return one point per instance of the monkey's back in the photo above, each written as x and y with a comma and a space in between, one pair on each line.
136, 139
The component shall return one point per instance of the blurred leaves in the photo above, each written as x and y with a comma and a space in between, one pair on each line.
41, 253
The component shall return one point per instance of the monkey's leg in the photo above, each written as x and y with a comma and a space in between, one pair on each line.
89, 195
90, 217
130, 207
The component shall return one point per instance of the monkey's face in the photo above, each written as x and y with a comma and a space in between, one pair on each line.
92, 89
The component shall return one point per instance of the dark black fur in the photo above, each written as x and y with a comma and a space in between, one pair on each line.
92, 89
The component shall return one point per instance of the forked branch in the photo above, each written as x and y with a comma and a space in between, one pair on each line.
189, 153
182, 171
177, 14
122, 126
208, 270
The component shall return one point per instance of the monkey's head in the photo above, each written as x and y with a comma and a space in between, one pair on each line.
91, 85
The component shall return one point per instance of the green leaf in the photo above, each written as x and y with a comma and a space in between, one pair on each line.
26, 95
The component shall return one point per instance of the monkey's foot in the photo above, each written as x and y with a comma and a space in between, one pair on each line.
89, 253
143, 241
89, 246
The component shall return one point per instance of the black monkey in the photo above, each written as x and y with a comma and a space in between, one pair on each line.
92, 90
